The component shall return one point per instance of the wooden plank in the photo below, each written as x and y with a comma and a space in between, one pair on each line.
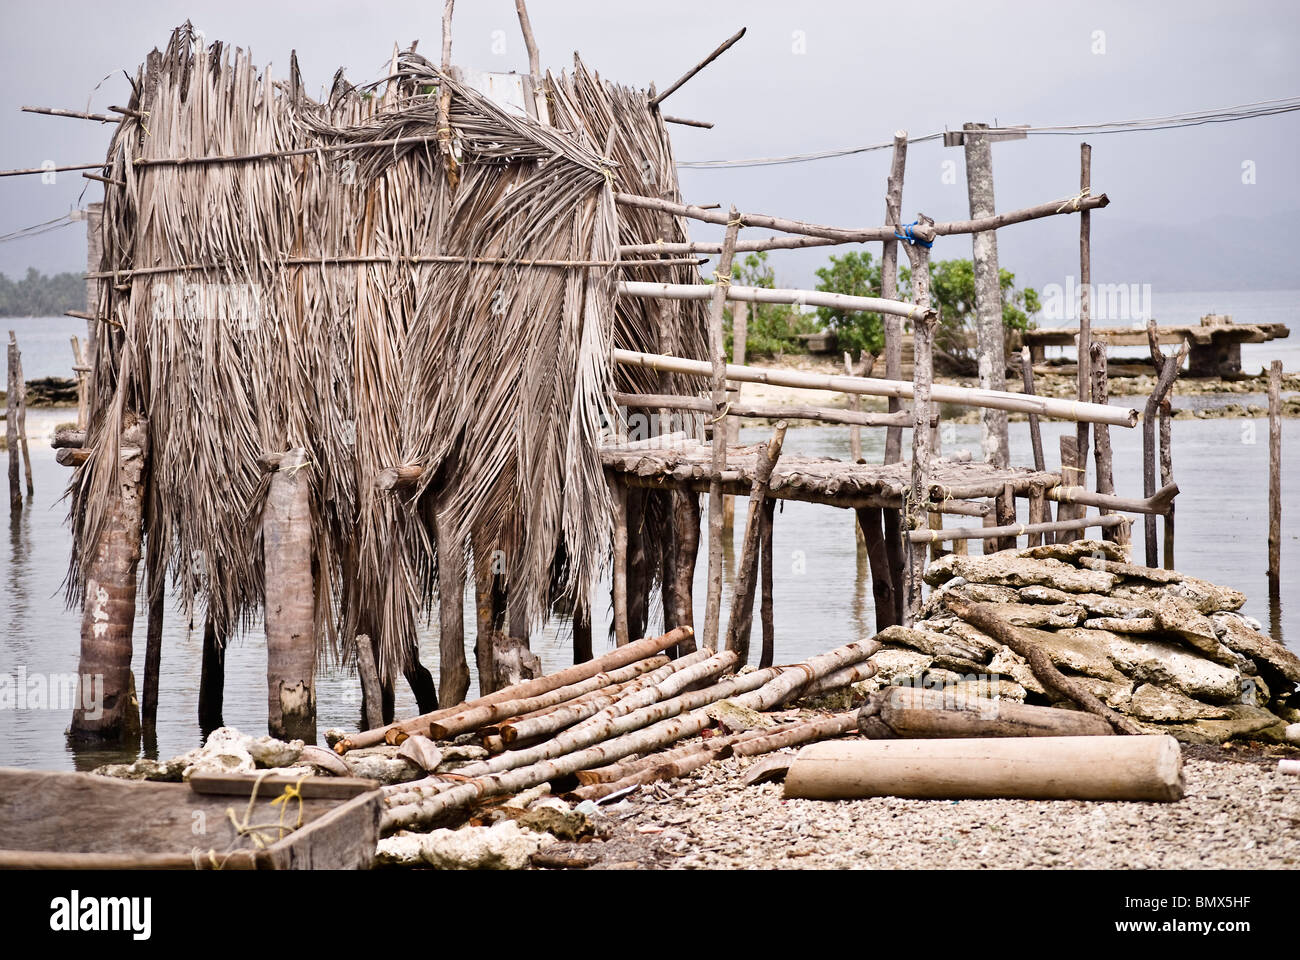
311, 788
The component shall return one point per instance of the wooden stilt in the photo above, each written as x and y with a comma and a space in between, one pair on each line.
1101, 445
420, 680
212, 678
1071, 476
894, 333
713, 604
108, 618
742, 598
1085, 320
582, 633
638, 564
1167, 369
686, 542
622, 628
485, 577
871, 521
154, 580
22, 420
290, 598
1167, 475
453, 671
372, 696
1274, 477
988, 291
923, 373
1038, 513
1005, 512
897, 563
12, 393
765, 580
1035, 433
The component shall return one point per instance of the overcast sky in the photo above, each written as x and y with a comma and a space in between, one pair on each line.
808, 76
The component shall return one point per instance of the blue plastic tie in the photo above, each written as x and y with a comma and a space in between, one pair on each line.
907, 236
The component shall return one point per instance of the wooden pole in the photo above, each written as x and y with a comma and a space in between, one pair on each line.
889, 291
717, 52
765, 602
989, 331
11, 426
855, 402
816, 298
1039, 512
686, 541
1033, 768
1167, 369
991, 533
619, 496
155, 579
868, 386
1101, 445
1274, 477
1071, 476
1167, 476
485, 614
713, 605
94, 261
1035, 434
922, 375
1085, 307
290, 599
739, 341
109, 566
81, 369
582, 632
372, 696
212, 678
22, 423
742, 596
453, 671
871, 521
922, 713
766, 411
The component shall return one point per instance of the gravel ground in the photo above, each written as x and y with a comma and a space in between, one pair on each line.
1239, 812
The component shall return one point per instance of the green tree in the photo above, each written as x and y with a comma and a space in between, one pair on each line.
952, 290
853, 273
772, 328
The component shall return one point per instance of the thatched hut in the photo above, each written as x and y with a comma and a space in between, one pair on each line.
404, 294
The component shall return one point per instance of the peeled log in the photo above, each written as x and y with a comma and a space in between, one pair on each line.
938, 714
476, 717
621, 657
794, 734
1028, 768
290, 597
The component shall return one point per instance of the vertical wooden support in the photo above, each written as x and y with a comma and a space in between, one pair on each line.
1101, 445
639, 573
1038, 512
290, 599
1071, 476
109, 566
1274, 477
212, 678
686, 542
618, 490
1085, 317
94, 258
989, 330
1035, 433
1167, 476
923, 372
741, 620
154, 579
1004, 508
765, 580
713, 605
372, 696
989, 544
581, 632
1167, 369
893, 324
739, 342
22, 419
11, 425
485, 577
80, 370
871, 521
453, 671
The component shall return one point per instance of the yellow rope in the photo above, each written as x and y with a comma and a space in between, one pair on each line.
725, 407
722, 278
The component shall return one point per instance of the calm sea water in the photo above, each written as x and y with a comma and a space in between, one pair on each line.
822, 597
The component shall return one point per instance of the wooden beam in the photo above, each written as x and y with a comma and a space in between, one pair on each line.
717, 52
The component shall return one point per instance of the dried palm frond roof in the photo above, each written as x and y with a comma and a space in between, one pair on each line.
291, 301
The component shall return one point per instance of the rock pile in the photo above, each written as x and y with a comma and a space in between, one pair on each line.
1167, 649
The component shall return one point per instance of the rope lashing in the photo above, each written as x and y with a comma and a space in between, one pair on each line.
1074, 202
725, 408
722, 278
908, 237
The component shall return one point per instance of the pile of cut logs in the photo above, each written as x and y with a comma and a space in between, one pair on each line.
610, 724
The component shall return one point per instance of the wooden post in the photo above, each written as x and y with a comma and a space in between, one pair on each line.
1005, 512
1071, 476
686, 541
1274, 477
581, 632
889, 290
638, 564
1085, 312
742, 596
922, 374
1101, 446
94, 261
871, 522
11, 425
109, 566
372, 696
765, 578
485, 614
81, 370
1166, 475
155, 579
22, 422
713, 605
453, 671
988, 291
739, 341
1038, 513
212, 678
1035, 433
618, 491
290, 599
1167, 369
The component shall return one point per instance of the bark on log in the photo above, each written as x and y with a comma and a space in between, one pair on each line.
940, 714
1033, 768
740, 622
840, 678
290, 598
620, 657
1024, 641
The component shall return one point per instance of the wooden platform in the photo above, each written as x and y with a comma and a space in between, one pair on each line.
814, 479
